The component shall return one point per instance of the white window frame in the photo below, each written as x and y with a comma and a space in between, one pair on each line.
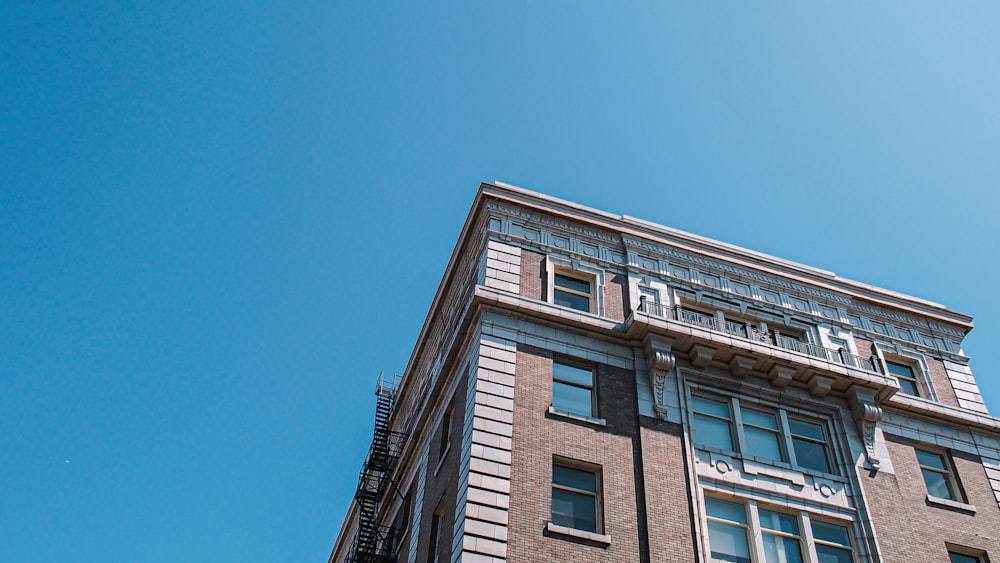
755, 532
787, 444
580, 271
951, 478
598, 493
594, 415
917, 364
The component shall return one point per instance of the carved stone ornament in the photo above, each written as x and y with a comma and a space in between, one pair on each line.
661, 363
867, 414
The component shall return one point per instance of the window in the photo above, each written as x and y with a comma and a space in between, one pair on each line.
731, 532
575, 497
713, 423
955, 557
907, 380
573, 389
809, 444
782, 539
572, 291
770, 434
761, 432
727, 531
435, 535
833, 543
938, 476
445, 435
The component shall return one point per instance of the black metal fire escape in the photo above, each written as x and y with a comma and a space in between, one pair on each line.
374, 543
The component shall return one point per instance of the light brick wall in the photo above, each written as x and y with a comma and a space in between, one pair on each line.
532, 275
908, 529
538, 437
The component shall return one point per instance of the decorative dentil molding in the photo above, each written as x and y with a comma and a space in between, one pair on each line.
867, 414
540, 219
609, 245
731, 269
661, 362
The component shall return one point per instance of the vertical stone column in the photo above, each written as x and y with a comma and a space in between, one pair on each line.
484, 478
418, 502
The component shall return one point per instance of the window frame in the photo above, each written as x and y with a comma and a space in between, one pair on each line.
947, 471
434, 533
597, 495
574, 364
786, 437
592, 274
754, 529
913, 377
977, 555
577, 275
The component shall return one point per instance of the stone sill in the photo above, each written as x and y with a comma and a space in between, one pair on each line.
952, 504
558, 530
578, 417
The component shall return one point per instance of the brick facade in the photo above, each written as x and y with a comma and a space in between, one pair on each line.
906, 524
794, 427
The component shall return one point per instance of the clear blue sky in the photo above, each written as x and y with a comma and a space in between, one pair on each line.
219, 221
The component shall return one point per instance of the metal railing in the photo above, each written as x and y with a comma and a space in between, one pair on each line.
748, 331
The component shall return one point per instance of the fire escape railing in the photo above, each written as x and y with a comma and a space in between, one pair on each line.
748, 331
375, 543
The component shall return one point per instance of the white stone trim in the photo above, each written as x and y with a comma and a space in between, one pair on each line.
486, 455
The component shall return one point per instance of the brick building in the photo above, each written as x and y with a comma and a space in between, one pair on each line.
593, 387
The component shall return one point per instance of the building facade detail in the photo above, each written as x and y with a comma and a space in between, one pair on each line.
594, 387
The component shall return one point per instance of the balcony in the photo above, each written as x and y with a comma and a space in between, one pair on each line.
745, 349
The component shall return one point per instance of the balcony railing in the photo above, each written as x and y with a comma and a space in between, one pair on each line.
748, 331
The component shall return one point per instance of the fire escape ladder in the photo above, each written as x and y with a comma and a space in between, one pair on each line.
374, 543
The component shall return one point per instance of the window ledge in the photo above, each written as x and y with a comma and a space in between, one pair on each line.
952, 504
602, 539
578, 417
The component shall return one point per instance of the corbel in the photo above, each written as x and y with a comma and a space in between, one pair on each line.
661, 362
867, 415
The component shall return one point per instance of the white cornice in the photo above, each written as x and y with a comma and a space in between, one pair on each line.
792, 271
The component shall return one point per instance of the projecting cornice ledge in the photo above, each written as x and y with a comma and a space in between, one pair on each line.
743, 358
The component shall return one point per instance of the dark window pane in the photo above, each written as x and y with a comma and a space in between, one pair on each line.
779, 522
728, 543
937, 484
712, 432
931, 459
962, 558
572, 374
708, 406
569, 398
726, 510
574, 478
899, 370
806, 429
811, 455
778, 549
759, 418
831, 533
762, 443
574, 510
574, 284
829, 554
573, 301
908, 387
907, 381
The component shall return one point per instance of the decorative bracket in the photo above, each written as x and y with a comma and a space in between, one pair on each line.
661, 362
867, 414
